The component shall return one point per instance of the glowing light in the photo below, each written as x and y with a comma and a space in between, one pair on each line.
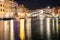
41, 11
48, 27
22, 15
48, 7
18, 13
22, 36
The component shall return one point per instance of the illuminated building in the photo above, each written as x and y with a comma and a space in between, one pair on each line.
9, 7
8, 13
57, 10
1, 9
3, 4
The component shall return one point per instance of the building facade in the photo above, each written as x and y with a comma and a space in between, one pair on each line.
1, 9
9, 8
5, 8
57, 11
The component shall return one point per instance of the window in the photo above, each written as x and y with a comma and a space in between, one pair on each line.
0, 5
0, 10
3, 10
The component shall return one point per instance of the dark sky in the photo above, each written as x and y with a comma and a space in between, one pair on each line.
33, 4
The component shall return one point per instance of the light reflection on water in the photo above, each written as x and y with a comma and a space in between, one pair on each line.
50, 29
42, 31
6, 30
22, 37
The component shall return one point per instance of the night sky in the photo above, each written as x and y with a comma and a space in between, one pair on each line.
33, 4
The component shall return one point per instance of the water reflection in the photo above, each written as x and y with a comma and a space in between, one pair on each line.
22, 36
11, 30
16, 29
6, 30
31, 29
28, 29
48, 28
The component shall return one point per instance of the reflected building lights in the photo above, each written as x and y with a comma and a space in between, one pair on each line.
57, 30
56, 24
48, 28
6, 30
11, 30
41, 27
28, 28
22, 35
53, 26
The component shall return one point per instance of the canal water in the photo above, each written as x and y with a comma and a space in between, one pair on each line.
16, 29
1, 30
29, 29
44, 28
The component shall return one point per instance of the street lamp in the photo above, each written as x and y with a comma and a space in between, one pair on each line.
48, 7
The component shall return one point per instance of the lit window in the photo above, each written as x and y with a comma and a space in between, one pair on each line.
3, 10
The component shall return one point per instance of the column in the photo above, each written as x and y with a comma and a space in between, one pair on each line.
22, 36
28, 28
48, 28
6, 30
11, 30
